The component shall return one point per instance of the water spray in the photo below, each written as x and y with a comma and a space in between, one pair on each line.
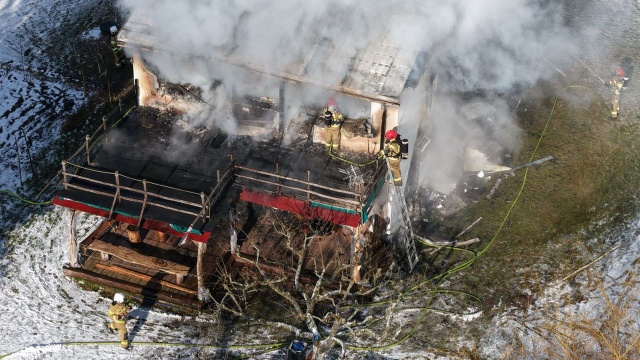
563, 74
588, 68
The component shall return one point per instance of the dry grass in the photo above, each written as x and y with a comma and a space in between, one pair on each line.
606, 329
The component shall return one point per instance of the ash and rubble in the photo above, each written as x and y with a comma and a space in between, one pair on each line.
487, 153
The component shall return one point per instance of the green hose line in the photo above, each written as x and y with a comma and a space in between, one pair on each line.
123, 116
263, 347
330, 152
25, 200
114, 124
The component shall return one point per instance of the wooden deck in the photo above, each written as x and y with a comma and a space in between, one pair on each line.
154, 273
154, 282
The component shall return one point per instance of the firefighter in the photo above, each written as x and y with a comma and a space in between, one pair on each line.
118, 53
393, 151
617, 83
118, 312
333, 119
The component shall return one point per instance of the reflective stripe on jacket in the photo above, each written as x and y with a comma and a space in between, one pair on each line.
117, 313
392, 149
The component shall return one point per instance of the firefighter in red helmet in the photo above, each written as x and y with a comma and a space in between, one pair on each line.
393, 152
333, 119
617, 84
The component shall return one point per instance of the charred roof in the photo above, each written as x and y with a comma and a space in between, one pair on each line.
152, 167
378, 70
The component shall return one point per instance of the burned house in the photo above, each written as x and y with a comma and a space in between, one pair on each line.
182, 199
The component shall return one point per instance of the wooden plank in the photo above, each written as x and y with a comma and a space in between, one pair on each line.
130, 255
184, 301
121, 270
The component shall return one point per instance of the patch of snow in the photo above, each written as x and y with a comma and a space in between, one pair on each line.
91, 34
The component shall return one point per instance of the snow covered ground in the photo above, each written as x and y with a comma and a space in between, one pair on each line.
39, 307
33, 100
42, 312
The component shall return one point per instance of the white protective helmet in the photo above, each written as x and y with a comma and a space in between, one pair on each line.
119, 298
113, 29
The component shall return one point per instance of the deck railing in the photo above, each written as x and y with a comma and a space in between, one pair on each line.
350, 199
142, 191
147, 193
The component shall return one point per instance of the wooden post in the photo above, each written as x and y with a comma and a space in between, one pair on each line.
161, 237
217, 177
133, 232
203, 293
73, 240
277, 178
104, 127
144, 201
116, 196
86, 147
308, 185
117, 174
357, 239
136, 88
64, 174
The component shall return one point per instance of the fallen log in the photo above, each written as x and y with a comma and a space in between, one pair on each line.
494, 188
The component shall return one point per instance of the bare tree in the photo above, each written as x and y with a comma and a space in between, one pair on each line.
316, 284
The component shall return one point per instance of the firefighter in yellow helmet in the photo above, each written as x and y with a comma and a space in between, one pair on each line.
617, 84
333, 119
118, 313
393, 151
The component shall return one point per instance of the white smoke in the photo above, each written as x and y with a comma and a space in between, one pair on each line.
471, 45
483, 43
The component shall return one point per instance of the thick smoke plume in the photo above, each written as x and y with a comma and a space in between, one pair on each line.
471, 45
482, 44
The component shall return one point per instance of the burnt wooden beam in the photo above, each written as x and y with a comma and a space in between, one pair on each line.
164, 296
130, 255
124, 271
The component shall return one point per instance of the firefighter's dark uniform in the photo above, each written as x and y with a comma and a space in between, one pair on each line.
617, 83
118, 53
118, 314
334, 120
393, 151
